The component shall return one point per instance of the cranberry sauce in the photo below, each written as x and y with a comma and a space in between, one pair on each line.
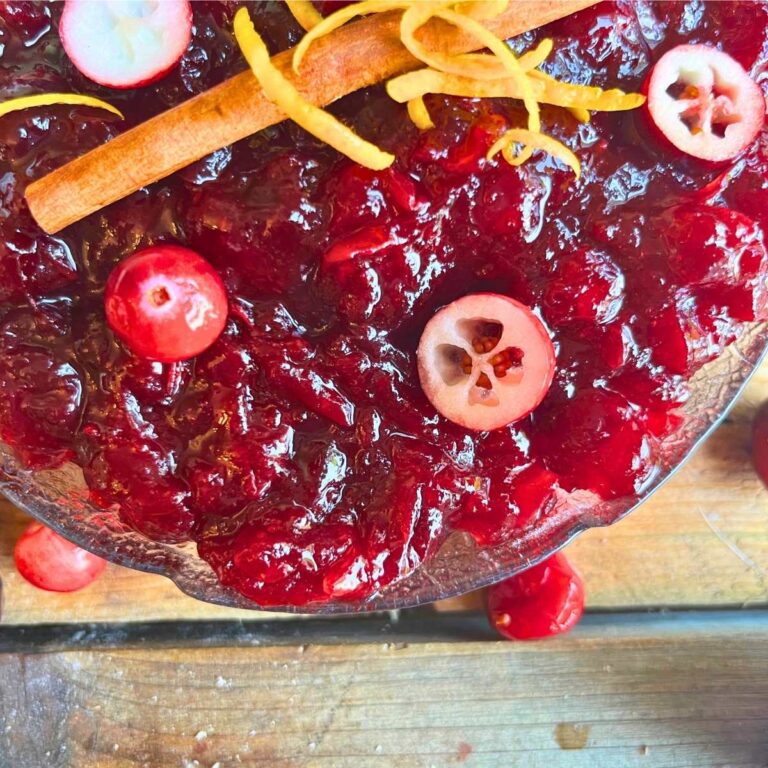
299, 451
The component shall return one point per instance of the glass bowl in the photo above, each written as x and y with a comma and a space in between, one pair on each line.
58, 498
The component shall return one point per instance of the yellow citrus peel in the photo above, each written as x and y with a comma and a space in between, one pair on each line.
419, 114
485, 9
533, 140
498, 74
305, 13
546, 91
316, 121
52, 99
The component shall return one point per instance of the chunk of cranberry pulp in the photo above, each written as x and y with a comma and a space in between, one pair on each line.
299, 450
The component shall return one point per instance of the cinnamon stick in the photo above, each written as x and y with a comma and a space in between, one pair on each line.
358, 55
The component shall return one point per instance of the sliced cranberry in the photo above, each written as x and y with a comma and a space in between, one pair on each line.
166, 303
485, 361
545, 600
704, 103
48, 561
125, 45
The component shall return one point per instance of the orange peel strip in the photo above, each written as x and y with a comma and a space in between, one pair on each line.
485, 9
419, 114
533, 140
546, 91
483, 66
314, 120
52, 99
417, 16
305, 13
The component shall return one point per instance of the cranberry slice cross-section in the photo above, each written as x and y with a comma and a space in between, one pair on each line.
485, 361
125, 43
704, 103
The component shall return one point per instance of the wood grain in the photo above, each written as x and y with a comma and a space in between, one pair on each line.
621, 692
353, 57
702, 540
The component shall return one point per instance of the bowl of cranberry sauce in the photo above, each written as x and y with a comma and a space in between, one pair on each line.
297, 462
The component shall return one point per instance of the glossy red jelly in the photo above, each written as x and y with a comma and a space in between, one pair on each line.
299, 451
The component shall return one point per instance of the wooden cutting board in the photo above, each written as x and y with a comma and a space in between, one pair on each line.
702, 540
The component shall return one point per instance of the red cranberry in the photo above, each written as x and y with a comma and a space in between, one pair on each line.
48, 561
166, 303
545, 600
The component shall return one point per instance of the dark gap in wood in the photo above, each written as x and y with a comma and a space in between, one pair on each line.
415, 626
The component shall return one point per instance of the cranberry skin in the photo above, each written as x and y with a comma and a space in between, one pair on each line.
760, 443
48, 561
166, 303
544, 601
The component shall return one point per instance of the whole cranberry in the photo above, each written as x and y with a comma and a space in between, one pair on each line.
166, 303
543, 601
48, 561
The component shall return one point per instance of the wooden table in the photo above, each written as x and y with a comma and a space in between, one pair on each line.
131, 673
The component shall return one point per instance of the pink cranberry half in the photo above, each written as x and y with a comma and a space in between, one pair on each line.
485, 361
48, 561
704, 103
125, 44
166, 303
